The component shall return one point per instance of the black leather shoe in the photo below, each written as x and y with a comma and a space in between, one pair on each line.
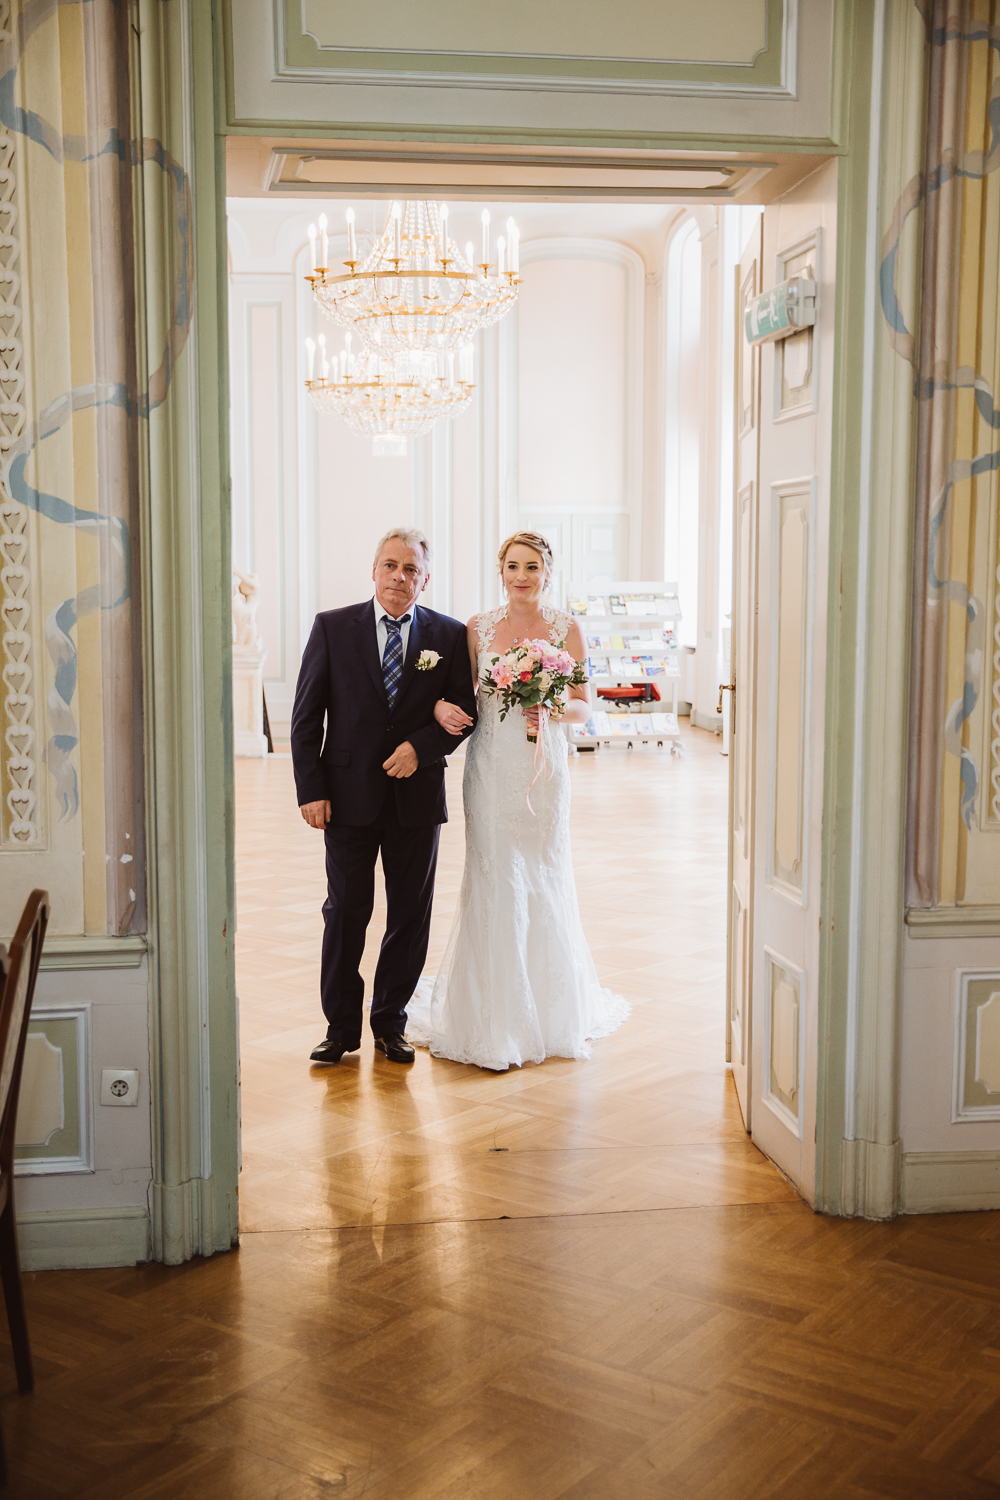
329, 1051
396, 1048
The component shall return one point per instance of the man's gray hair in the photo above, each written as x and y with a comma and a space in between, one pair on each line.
410, 537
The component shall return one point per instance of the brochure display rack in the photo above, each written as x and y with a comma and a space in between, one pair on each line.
630, 631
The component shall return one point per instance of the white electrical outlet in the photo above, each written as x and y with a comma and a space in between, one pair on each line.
120, 1086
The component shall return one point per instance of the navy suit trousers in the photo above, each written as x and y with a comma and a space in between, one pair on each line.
409, 860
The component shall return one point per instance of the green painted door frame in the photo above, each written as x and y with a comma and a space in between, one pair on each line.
180, 258
181, 69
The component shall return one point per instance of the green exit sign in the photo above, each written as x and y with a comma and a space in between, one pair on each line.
785, 309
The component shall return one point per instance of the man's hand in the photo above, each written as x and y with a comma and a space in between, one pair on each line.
451, 718
402, 761
316, 814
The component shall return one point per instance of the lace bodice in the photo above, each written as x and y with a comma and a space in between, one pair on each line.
558, 621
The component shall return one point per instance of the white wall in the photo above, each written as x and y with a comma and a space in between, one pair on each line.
698, 307
571, 385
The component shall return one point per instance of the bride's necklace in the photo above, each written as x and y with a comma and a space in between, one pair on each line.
519, 638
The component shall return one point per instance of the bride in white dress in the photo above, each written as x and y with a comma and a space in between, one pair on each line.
517, 983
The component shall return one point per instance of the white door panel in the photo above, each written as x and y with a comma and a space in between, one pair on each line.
788, 728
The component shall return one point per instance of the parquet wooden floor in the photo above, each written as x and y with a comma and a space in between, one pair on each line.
650, 1121
626, 1302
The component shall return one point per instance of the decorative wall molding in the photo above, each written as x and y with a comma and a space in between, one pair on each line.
791, 401
304, 52
76, 1082
739, 968
976, 1078
953, 921
356, 169
19, 816
793, 505
784, 1039
93, 952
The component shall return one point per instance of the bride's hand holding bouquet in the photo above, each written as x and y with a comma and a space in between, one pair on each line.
533, 676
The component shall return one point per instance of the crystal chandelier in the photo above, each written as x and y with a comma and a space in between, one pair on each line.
415, 292
403, 394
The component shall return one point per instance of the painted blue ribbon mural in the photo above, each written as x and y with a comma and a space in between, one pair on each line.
952, 166
111, 531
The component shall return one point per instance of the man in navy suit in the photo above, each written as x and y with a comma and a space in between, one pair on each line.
375, 782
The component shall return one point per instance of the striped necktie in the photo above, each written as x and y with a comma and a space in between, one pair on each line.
392, 661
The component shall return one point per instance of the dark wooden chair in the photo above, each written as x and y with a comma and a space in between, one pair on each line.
21, 966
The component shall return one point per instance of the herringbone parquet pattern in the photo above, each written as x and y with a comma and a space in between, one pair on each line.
576, 1281
649, 1122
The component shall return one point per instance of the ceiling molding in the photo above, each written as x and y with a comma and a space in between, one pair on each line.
380, 172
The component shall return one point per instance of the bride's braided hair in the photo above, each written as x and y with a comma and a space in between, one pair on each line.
536, 542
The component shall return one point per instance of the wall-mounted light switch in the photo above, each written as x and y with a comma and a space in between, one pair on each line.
119, 1086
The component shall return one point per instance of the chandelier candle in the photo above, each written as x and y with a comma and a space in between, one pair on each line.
444, 234
326, 243
352, 248
486, 240
311, 357
312, 245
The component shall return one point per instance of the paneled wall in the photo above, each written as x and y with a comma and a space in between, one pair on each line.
945, 326
566, 433
71, 806
70, 816
757, 68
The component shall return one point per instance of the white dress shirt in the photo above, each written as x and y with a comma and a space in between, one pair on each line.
382, 635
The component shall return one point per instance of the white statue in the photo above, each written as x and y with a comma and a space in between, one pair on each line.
248, 663
245, 597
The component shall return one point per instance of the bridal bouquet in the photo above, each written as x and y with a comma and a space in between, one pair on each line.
533, 674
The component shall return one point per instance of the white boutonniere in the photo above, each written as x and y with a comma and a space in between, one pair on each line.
428, 660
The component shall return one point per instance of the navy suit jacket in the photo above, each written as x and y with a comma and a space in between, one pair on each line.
340, 684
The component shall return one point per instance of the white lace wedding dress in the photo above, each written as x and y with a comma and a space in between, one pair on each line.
517, 983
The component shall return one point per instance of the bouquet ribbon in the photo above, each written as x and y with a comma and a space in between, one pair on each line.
543, 715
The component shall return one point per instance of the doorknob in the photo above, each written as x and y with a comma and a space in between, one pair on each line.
725, 687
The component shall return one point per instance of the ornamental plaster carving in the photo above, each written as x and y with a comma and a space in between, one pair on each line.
19, 823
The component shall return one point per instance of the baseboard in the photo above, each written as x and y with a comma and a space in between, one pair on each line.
82, 1239
869, 1179
939, 1182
